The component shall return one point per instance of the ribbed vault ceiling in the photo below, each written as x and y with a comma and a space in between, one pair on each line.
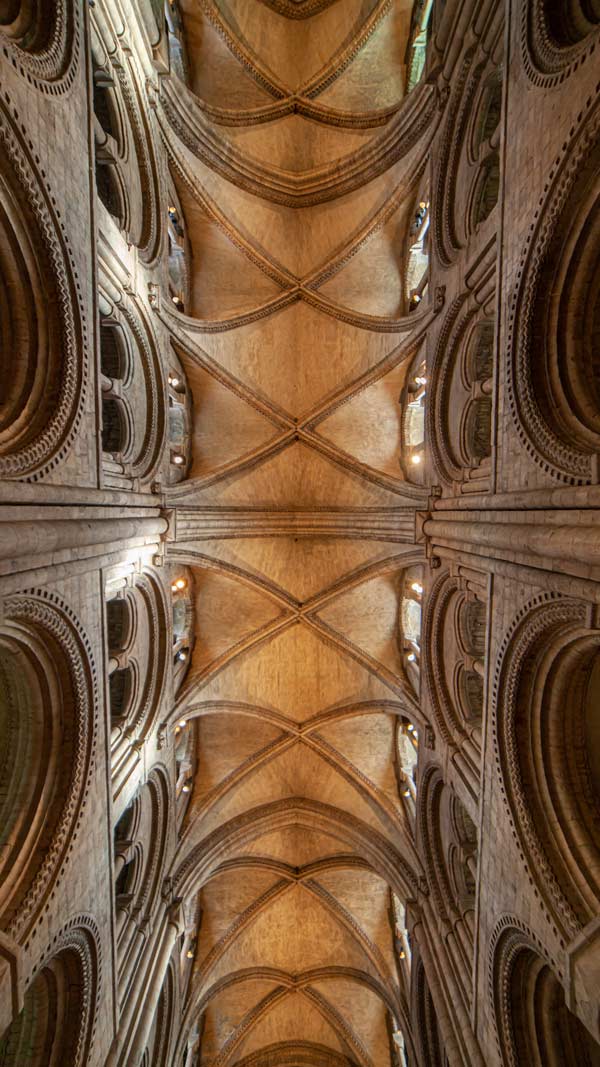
296, 163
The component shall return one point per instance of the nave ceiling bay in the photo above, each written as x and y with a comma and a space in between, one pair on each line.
297, 160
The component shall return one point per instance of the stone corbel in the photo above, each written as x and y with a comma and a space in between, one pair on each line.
439, 298
443, 94
154, 296
123, 902
177, 917
118, 661
123, 854
421, 518
152, 93
170, 516
428, 737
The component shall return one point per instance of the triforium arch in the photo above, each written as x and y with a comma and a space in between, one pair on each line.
459, 407
454, 637
466, 179
137, 643
140, 847
126, 169
134, 419
545, 739
447, 838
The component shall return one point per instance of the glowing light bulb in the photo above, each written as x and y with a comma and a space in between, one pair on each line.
182, 656
417, 587
185, 789
180, 583
402, 954
410, 727
411, 658
178, 459
190, 954
406, 793
421, 381
173, 380
182, 723
416, 459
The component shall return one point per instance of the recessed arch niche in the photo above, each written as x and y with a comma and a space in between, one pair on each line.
42, 40
570, 22
533, 1023
42, 349
553, 373
548, 744
55, 1026
46, 714
555, 37
427, 1026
